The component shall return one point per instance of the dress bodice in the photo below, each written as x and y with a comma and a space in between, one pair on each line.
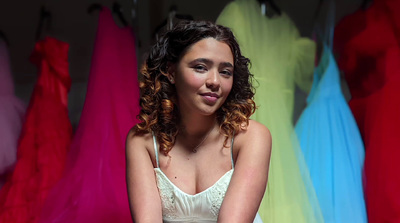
203, 207
326, 82
280, 58
178, 206
367, 45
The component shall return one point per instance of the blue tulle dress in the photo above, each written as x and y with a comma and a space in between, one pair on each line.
332, 146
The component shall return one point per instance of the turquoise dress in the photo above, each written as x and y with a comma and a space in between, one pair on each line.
332, 146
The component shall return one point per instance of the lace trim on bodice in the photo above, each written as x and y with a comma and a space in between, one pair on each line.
173, 198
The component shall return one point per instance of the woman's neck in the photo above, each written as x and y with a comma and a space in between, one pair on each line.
197, 126
195, 132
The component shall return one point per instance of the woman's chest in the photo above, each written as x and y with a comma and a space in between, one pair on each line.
181, 206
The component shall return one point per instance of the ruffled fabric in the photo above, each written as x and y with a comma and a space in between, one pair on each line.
45, 137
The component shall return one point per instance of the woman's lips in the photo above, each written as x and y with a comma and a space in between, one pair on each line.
210, 97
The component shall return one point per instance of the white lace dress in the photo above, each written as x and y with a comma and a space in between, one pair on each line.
178, 206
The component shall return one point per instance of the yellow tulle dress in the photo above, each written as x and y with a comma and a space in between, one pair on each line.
280, 59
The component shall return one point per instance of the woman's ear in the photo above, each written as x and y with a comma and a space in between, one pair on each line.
171, 70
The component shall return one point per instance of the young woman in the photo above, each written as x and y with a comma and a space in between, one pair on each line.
196, 156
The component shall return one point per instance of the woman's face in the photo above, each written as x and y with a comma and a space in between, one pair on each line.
204, 77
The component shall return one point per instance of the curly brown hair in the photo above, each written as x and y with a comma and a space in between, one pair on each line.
159, 115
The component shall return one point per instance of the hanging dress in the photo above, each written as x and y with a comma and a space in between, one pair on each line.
368, 48
45, 138
93, 188
280, 58
332, 146
12, 111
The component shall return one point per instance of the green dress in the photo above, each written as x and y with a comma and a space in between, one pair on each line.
280, 59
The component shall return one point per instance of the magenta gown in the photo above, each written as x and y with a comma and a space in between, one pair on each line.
93, 188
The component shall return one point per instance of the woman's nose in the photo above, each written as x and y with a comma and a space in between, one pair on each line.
213, 79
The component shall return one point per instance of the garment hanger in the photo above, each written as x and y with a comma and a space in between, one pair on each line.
169, 21
117, 9
269, 8
365, 4
134, 9
4, 38
44, 16
324, 25
94, 7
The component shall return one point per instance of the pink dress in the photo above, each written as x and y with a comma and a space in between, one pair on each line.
93, 188
12, 111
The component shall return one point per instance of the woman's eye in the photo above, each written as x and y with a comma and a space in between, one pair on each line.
226, 72
200, 68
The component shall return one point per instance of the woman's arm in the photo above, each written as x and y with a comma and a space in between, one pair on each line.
144, 199
250, 176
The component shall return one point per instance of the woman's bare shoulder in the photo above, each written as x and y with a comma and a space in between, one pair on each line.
136, 142
256, 132
254, 139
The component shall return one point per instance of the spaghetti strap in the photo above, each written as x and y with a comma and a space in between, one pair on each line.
233, 164
156, 150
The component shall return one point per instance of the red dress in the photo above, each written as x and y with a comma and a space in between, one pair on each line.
367, 45
45, 137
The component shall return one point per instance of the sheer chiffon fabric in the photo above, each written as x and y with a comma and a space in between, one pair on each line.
280, 59
332, 146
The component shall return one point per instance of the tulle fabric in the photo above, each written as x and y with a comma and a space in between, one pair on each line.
45, 138
93, 188
280, 58
368, 46
12, 111
332, 146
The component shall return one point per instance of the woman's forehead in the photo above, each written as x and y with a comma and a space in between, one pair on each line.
211, 49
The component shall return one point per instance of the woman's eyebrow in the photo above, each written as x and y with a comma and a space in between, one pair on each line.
226, 64
208, 62
202, 60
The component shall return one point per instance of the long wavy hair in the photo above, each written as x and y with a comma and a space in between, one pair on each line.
159, 115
